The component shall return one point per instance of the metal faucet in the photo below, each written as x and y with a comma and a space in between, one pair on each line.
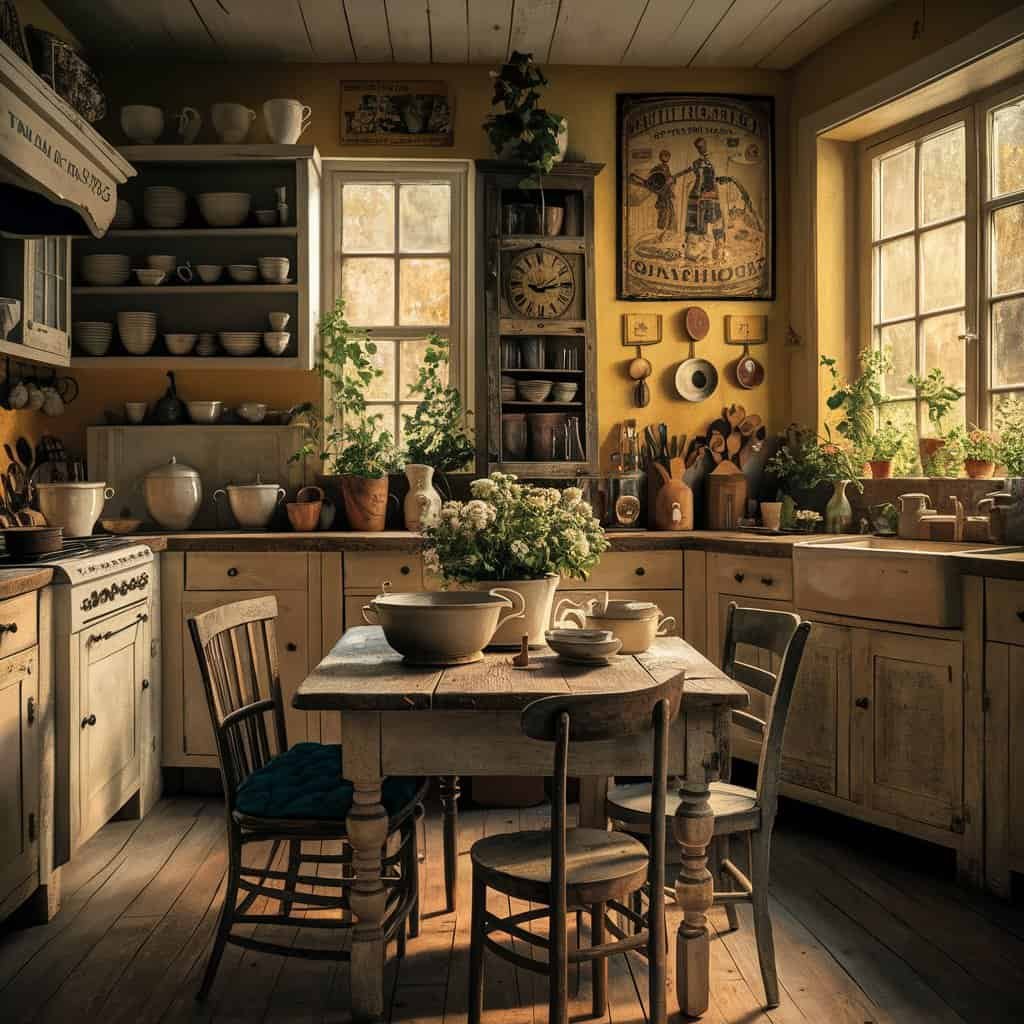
913, 508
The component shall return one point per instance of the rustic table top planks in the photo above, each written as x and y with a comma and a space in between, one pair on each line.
363, 673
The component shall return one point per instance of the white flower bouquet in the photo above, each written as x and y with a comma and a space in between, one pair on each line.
513, 531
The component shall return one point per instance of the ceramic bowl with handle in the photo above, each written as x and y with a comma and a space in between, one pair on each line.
252, 505
74, 506
635, 623
442, 628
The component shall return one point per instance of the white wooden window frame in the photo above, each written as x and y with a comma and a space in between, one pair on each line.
458, 174
54, 339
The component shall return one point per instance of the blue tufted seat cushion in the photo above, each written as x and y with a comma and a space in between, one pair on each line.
306, 782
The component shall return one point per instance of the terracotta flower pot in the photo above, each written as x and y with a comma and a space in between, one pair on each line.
979, 469
881, 469
366, 501
927, 447
304, 512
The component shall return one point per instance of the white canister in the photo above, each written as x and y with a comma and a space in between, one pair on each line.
173, 494
75, 506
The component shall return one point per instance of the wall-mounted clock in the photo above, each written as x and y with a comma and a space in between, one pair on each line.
540, 283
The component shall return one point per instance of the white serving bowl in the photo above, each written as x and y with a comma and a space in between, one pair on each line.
142, 124
243, 273
180, 344
276, 342
137, 331
204, 412
163, 206
224, 209
240, 343
106, 269
274, 269
149, 277
209, 273
92, 336
278, 321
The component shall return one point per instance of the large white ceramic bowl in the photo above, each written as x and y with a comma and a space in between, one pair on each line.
76, 506
141, 123
92, 336
224, 209
252, 505
106, 269
204, 412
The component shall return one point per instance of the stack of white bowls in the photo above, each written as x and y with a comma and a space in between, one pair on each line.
163, 206
92, 336
137, 331
240, 343
224, 209
274, 269
276, 342
106, 268
243, 273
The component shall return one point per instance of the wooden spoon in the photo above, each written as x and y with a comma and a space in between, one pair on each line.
733, 443
735, 414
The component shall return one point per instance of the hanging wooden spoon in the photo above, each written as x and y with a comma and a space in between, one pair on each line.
735, 414
733, 443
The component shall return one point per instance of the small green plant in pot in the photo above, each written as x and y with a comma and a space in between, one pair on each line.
857, 401
882, 447
940, 398
978, 448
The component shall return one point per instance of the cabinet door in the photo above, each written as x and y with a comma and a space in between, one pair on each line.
19, 768
907, 730
815, 749
47, 308
114, 662
293, 658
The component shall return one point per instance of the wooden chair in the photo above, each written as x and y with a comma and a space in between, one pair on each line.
275, 794
739, 811
578, 869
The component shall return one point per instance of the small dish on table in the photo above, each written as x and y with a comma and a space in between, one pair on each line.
583, 646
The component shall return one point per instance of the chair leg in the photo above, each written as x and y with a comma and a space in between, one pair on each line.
476, 951
598, 967
413, 868
227, 914
450, 804
759, 867
721, 849
346, 872
558, 968
294, 862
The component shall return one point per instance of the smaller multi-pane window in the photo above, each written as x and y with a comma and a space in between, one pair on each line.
398, 265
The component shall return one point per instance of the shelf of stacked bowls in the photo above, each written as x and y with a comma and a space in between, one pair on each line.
163, 206
92, 336
275, 341
534, 390
106, 269
224, 209
137, 331
240, 343
274, 269
244, 273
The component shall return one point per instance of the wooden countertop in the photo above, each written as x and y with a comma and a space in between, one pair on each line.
14, 582
1001, 563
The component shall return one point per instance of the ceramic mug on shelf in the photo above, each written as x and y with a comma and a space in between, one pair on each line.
231, 121
189, 123
286, 120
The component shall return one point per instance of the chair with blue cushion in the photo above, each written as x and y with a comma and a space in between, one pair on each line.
275, 794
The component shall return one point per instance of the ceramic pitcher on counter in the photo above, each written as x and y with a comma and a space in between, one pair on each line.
422, 503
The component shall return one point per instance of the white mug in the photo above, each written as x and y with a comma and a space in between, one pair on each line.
189, 123
231, 121
286, 120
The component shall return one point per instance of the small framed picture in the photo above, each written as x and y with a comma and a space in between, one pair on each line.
641, 328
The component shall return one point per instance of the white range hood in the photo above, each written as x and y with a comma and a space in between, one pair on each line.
58, 176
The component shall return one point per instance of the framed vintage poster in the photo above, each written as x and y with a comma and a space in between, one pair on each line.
396, 113
696, 196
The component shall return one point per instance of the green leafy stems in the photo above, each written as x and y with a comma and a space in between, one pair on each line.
1009, 422
937, 395
806, 460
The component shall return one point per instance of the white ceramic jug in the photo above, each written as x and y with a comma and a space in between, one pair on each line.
422, 503
286, 120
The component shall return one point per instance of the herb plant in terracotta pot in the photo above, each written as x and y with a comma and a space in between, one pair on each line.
979, 449
939, 397
520, 536
882, 447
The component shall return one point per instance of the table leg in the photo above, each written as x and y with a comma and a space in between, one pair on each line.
367, 831
593, 794
693, 827
450, 791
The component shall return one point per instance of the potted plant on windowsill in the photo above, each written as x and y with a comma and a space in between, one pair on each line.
979, 451
882, 448
436, 439
939, 397
522, 536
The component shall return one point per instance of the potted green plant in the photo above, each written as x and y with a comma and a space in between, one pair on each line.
979, 449
522, 130
939, 397
793, 466
882, 447
522, 536
436, 439
1009, 422
858, 400
351, 442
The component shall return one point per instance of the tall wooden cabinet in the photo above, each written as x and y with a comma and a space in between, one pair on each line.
537, 320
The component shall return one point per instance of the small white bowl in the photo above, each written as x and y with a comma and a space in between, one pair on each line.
240, 343
180, 344
243, 273
135, 412
224, 209
265, 218
209, 273
149, 277
162, 262
252, 412
274, 269
278, 321
276, 342
204, 412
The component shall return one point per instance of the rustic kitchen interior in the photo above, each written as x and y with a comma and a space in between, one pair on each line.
512, 511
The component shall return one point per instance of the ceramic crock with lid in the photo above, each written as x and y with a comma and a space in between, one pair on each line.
253, 505
173, 494
635, 623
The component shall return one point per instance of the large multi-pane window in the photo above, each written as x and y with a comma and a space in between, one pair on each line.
398, 250
946, 258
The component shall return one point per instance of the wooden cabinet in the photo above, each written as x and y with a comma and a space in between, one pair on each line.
20, 770
38, 272
632, 570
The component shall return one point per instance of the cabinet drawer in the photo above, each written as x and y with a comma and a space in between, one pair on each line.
366, 570
633, 570
751, 576
245, 570
1004, 611
18, 628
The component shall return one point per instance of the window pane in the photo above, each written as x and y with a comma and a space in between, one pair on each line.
424, 218
424, 290
368, 218
900, 414
896, 279
942, 267
51, 301
382, 389
943, 176
368, 288
1008, 149
900, 341
410, 360
1008, 249
998, 400
944, 350
388, 412
1008, 342
895, 201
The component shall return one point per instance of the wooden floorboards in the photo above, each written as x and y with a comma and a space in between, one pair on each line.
865, 934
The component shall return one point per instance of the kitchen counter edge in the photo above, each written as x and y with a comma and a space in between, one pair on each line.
15, 582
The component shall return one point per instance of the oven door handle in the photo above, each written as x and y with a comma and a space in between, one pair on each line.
95, 638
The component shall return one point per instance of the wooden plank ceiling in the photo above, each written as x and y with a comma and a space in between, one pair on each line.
641, 33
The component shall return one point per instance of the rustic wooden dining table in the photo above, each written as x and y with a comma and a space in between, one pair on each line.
399, 719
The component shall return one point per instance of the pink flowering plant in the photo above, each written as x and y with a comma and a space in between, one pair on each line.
513, 531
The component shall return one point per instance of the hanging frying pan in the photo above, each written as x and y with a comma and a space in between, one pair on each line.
696, 379
749, 372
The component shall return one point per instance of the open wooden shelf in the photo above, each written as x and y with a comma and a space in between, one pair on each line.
540, 374
541, 406
185, 289
242, 232
167, 362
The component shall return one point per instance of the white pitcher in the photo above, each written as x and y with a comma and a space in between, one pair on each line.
422, 503
286, 120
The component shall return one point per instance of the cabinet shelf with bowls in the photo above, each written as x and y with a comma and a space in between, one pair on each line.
219, 220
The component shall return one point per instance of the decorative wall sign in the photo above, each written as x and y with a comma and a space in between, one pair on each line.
696, 196
397, 113
641, 328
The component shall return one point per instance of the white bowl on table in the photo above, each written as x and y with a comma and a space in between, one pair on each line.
224, 209
243, 273
180, 344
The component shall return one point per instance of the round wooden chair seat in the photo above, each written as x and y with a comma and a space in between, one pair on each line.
735, 807
599, 865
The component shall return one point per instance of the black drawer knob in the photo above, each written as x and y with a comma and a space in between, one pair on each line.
739, 577
862, 702
767, 581
8, 627
88, 720
145, 684
291, 647
641, 571
232, 571
405, 570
